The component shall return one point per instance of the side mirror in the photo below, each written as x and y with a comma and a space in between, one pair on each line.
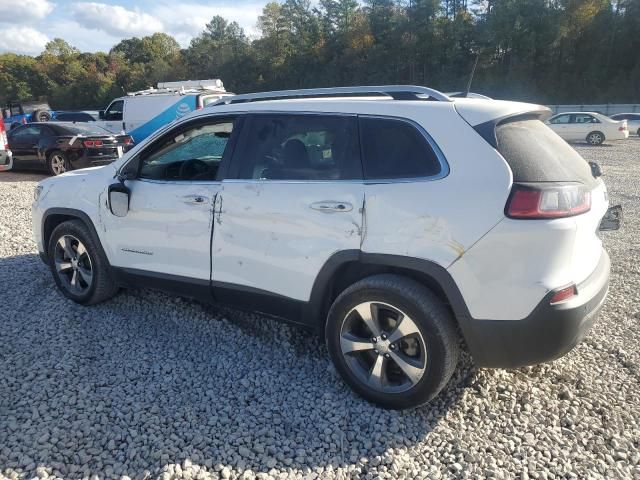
596, 171
119, 199
101, 114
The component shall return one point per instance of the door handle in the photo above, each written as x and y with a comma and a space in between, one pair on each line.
331, 206
195, 199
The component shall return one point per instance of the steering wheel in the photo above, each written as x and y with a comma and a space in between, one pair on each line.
192, 167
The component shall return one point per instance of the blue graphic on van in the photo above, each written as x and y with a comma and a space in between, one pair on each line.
184, 105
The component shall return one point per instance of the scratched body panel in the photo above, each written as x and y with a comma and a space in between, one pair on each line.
267, 236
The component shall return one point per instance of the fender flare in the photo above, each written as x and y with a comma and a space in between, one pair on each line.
436, 272
67, 212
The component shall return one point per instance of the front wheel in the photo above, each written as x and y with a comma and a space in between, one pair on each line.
392, 340
595, 138
78, 264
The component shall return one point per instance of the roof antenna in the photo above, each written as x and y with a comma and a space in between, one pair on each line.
473, 71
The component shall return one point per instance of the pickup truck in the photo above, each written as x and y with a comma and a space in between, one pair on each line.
18, 113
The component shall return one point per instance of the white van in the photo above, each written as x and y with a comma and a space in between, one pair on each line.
139, 114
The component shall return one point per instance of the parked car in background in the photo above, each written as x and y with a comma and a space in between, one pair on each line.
73, 117
365, 219
19, 113
592, 127
5, 153
60, 147
139, 114
633, 121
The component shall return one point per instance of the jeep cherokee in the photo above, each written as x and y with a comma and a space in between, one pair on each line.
395, 221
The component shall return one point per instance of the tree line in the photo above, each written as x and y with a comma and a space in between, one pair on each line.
543, 51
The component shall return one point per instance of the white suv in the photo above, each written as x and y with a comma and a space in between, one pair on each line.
394, 221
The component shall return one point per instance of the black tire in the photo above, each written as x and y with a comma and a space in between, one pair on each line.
436, 329
41, 116
595, 138
102, 286
638, 132
53, 163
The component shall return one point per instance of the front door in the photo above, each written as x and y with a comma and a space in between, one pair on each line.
113, 117
293, 197
167, 230
23, 143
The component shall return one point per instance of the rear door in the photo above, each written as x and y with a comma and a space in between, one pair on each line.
582, 124
293, 197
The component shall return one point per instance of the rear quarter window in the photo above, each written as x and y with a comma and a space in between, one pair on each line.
393, 149
535, 153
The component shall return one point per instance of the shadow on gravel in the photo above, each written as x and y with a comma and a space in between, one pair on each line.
144, 382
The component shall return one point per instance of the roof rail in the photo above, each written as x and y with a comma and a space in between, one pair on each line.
397, 92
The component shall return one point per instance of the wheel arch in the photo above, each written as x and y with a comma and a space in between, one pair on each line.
347, 267
55, 216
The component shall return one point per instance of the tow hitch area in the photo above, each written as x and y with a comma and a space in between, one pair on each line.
612, 219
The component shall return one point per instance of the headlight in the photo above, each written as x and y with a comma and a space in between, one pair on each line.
36, 192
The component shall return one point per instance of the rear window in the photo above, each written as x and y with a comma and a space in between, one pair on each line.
85, 130
395, 149
536, 154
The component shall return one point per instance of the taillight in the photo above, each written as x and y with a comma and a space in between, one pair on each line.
563, 294
92, 143
540, 201
128, 140
622, 128
3, 135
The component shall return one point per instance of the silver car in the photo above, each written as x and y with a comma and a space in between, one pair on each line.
633, 121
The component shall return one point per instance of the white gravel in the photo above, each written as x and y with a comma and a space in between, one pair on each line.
150, 386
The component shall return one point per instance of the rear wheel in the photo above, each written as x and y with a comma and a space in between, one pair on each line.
595, 138
78, 264
638, 132
392, 340
57, 163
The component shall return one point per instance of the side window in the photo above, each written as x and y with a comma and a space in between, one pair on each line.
194, 153
114, 112
584, 118
26, 133
395, 149
299, 147
561, 119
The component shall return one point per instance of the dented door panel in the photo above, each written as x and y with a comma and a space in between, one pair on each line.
276, 235
167, 229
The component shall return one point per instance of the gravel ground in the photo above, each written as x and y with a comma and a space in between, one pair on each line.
149, 386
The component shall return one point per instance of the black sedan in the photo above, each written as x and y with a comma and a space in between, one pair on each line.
61, 146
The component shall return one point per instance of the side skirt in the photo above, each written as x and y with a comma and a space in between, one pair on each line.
236, 296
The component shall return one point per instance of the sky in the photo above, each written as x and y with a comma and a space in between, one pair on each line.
27, 25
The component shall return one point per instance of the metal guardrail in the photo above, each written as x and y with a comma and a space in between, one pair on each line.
604, 108
397, 92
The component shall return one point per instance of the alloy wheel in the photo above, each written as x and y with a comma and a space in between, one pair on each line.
73, 265
383, 347
58, 164
595, 139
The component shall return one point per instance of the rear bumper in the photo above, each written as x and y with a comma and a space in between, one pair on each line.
549, 332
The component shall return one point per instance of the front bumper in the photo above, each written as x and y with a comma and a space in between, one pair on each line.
6, 160
549, 332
